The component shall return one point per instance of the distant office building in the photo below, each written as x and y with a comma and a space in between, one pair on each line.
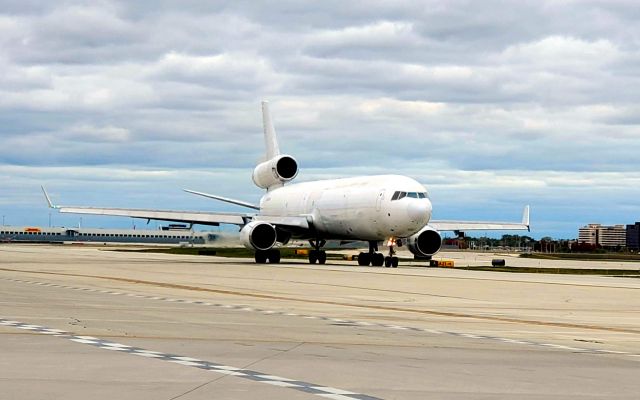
613, 236
589, 234
605, 236
633, 236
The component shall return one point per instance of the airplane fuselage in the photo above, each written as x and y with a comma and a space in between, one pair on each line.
362, 208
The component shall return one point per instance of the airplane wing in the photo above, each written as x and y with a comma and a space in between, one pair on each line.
482, 226
192, 217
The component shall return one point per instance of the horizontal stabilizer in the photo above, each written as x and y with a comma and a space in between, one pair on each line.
225, 199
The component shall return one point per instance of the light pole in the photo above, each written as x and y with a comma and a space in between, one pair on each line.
3, 220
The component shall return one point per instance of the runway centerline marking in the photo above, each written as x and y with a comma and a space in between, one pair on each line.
346, 323
261, 377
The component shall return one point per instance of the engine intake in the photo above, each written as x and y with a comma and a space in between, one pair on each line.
425, 243
258, 235
275, 172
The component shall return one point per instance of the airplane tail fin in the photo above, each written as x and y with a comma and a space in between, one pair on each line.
270, 138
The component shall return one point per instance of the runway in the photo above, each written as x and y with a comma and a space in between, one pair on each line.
81, 322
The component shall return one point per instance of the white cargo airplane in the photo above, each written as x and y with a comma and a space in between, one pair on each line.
385, 208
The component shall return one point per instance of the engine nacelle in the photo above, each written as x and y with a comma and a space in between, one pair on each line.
258, 235
275, 172
425, 243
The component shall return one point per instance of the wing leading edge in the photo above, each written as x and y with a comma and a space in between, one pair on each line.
192, 217
482, 226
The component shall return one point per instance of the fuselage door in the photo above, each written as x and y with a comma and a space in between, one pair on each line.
380, 199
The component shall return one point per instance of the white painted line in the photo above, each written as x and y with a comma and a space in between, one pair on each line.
114, 348
335, 396
274, 378
187, 363
187, 359
112, 344
83, 341
281, 384
338, 320
137, 353
227, 368
333, 390
231, 373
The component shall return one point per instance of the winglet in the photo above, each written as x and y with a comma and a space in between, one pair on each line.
525, 217
46, 196
270, 139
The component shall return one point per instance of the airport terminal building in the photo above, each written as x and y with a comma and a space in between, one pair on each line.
179, 237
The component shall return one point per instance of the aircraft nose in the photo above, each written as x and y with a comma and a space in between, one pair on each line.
419, 210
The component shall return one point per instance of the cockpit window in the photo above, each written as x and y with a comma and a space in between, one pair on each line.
398, 195
414, 195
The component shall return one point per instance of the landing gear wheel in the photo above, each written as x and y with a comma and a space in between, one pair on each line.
363, 259
274, 256
394, 262
377, 260
322, 257
313, 256
387, 262
260, 257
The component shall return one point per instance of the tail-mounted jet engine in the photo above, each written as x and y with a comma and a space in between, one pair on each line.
275, 172
258, 235
425, 243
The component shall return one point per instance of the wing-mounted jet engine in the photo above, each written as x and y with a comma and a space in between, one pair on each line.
261, 237
425, 243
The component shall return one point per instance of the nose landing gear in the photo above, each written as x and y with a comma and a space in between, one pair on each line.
391, 260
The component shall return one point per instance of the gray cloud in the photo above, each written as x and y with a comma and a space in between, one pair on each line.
484, 94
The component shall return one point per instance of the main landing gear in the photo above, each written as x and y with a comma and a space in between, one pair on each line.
371, 258
272, 256
316, 254
377, 259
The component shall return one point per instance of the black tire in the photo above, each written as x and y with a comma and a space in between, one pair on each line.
322, 257
363, 259
387, 262
260, 257
313, 256
377, 260
274, 256
394, 262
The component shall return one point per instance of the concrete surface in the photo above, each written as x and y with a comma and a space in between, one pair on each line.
406, 333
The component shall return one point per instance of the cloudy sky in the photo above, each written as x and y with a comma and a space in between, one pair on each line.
492, 105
